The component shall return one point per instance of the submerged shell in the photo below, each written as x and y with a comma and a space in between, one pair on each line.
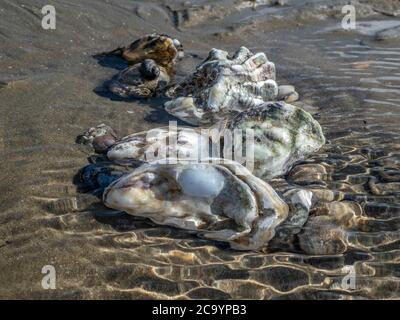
322, 236
300, 202
222, 201
140, 80
222, 85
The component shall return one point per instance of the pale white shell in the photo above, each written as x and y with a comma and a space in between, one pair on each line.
222, 201
160, 143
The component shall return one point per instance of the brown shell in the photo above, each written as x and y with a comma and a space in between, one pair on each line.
160, 48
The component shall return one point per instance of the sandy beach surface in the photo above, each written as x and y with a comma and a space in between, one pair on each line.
52, 89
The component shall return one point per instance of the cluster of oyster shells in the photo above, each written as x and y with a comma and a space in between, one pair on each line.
210, 179
152, 59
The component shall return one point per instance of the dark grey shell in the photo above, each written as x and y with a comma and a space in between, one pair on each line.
141, 80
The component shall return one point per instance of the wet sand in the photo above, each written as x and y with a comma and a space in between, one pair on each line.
52, 89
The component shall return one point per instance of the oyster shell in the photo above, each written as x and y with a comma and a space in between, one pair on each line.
287, 93
286, 234
100, 138
159, 143
210, 198
300, 202
141, 80
283, 135
322, 236
161, 48
222, 85
152, 58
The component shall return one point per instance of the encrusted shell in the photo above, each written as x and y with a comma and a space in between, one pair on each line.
152, 59
321, 236
100, 138
140, 80
222, 85
283, 134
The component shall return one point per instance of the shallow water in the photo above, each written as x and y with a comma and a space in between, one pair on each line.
52, 90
